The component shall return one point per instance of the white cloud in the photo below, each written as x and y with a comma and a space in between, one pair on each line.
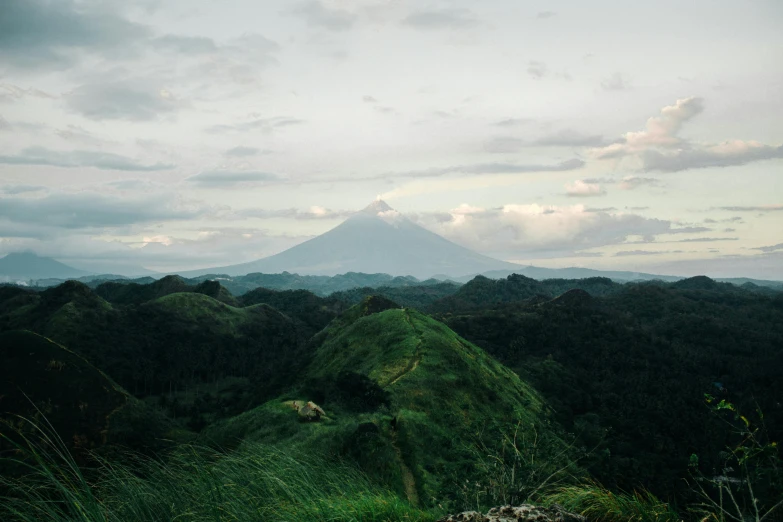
533, 229
659, 148
581, 189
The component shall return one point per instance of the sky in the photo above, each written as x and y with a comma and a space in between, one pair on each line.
184, 134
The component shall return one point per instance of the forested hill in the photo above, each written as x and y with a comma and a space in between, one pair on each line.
624, 368
627, 372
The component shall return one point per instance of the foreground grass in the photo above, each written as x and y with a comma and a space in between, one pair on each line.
256, 482
599, 504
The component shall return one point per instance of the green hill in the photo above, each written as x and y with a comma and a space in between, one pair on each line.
627, 371
482, 292
40, 379
405, 396
134, 293
199, 358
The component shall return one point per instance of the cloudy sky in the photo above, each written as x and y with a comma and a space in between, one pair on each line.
183, 134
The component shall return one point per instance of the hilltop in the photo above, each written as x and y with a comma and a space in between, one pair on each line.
404, 395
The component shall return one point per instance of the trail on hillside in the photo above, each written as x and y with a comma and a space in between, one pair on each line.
414, 361
408, 481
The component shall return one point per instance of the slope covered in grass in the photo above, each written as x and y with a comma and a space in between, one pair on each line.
404, 395
43, 382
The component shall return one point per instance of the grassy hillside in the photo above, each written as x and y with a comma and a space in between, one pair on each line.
42, 382
197, 357
405, 396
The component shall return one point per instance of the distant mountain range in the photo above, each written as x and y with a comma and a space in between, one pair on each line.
370, 248
377, 239
26, 265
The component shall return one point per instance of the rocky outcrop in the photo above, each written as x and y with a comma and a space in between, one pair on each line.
308, 411
523, 513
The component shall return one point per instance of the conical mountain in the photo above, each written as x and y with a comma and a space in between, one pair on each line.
377, 239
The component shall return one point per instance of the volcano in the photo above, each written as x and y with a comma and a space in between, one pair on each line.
376, 239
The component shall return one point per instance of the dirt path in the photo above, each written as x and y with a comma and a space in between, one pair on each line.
408, 482
414, 362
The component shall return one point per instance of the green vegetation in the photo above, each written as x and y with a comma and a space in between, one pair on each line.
626, 372
426, 395
585, 393
602, 505
420, 297
40, 379
182, 349
196, 484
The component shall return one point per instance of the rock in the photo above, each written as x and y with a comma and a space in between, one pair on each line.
308, 411
523, 513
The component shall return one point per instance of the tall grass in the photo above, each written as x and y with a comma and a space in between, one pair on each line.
599, 504
255, 482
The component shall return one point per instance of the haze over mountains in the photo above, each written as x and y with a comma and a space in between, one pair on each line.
377, 239
374, 240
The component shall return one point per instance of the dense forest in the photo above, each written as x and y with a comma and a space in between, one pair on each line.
616, 383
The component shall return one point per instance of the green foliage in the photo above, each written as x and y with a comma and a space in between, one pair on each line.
747, 482
196, 484
599, 504
175, 346
482, 292
39, 378
416, 296
525, 464
626, 371
423, 391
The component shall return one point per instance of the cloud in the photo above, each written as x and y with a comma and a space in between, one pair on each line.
511, 122
13, 190
580, 188
94, 211
659, 148
230, 179
40, 33
616, 82
704, 239
758, 208
185, 44
243, 152
726, 154
534, 230
369, 99
571, 138
545, 14
537, 70
316, 14
503, 144
770, 248
660, 131
385, 110
313, 213
624, 253
258, 124
492, 168
123, 100
80, 158
441, 19
633, 182
11, 92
